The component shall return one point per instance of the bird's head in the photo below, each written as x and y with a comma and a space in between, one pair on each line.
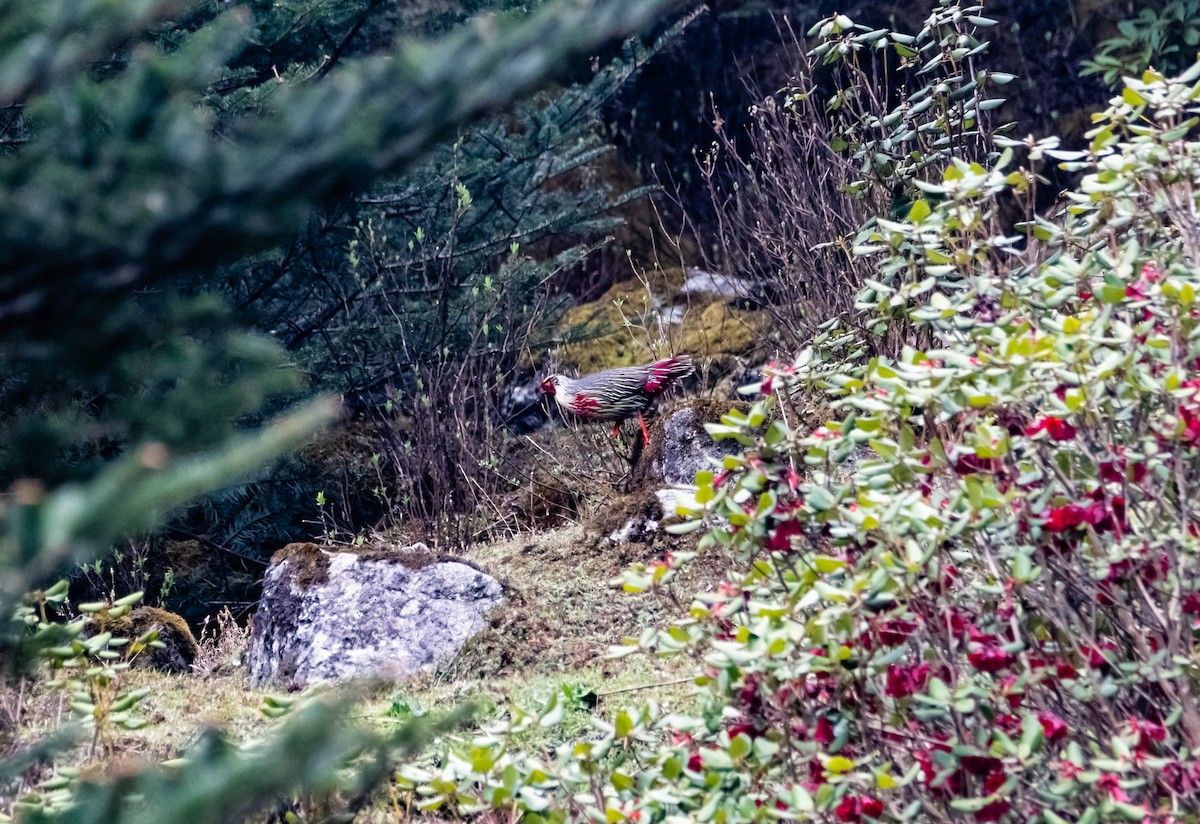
550, 385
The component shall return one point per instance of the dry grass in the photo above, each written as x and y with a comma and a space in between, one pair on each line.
563, 609
563, 613
221, 649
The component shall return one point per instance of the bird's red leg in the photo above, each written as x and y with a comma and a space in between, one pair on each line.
645, 431
616, 429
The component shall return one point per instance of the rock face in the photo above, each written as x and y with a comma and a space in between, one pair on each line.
374, 614
687, 449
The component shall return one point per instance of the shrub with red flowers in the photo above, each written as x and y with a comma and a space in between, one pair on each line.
972, 592
981, 599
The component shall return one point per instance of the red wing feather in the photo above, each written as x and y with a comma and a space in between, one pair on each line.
664, 372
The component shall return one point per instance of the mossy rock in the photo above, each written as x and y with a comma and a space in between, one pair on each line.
720, 329
615, 516
665, 436
179, 645
616, 329
311, 560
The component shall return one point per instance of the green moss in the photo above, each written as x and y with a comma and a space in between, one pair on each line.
614, 516
181, 647
312, 563
407, 556
622, 327
720, 329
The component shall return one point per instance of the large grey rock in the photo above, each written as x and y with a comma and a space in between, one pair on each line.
687, 449
328, 616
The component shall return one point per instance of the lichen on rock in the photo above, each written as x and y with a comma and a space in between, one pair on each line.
381, 613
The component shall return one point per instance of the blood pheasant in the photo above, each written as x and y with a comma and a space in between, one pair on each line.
617, 394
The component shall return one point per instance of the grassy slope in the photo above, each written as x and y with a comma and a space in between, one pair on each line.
563, 612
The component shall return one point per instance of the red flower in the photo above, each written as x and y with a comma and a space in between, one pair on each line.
1056, 428
793, 479
959, 623
1053, 727
1068, 770
1148, 733
1066, 671
743, 729
1095, 655
853, 808
1111, 784
895, 632
904, 681
1008, 722
1010, 691
781, 538
968, 464
694, 763
1182, 778
950, 576
1118, 471
1191, 424
1063, 518
823, 734
984, 765
1191, 603
990, 659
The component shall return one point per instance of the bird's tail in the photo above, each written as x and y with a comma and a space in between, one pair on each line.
664, 372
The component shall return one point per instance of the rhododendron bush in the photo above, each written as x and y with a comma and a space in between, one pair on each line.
973, 591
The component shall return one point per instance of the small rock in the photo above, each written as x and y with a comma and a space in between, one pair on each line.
699, 281
635, 530
672, 315
521, 408
372, 614
179, 645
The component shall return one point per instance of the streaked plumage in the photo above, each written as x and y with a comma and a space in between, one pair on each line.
616, 394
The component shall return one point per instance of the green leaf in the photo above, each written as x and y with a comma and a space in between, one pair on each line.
715, 759
919, 211
1132, 97
1032, 737
819, 498
826, 564
839, 764
624, 725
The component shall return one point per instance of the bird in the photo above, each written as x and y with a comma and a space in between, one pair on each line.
617, 394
